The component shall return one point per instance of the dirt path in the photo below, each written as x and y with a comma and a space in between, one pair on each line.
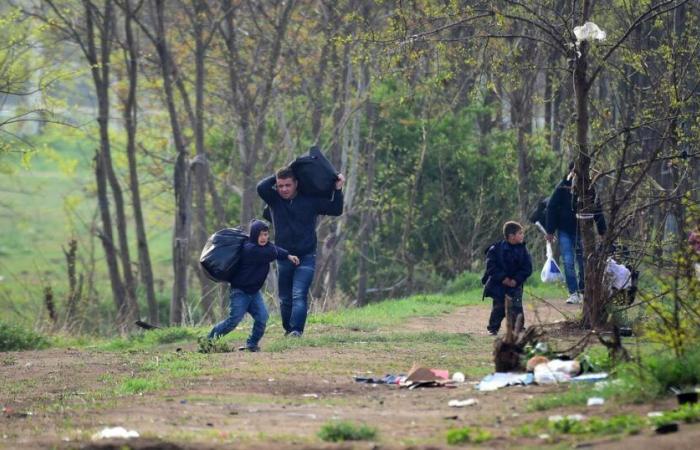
276, 400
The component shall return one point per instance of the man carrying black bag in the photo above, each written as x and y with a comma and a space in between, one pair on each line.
294, 215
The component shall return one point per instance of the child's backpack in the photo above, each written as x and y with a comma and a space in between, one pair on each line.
539, 212
221, 254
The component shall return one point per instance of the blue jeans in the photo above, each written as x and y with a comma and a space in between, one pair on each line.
241, 303
294, 283
571, 255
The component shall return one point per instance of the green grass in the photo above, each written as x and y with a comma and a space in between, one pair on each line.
346, 431
13, 338
633, 382
153, 338
467, 435
140, 385
622, 424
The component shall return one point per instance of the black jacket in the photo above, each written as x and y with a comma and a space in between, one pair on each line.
295, 220
561, 211
504, 260
255, 261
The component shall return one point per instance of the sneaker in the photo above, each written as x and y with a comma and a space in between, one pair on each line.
493, 333
295, 334
245, 348
574, 299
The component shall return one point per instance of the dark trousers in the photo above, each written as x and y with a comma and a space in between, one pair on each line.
498, 312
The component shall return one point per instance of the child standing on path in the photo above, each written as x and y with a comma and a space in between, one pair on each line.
508, 265
256, 256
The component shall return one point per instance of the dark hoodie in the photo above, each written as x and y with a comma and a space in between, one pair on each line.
295, 219
255, 260
561, 211
506, 260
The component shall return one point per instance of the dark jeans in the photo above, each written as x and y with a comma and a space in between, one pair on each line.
572, 256
498, 311
241, 303
294, 283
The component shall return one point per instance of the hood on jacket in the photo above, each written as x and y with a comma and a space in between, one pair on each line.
256, 226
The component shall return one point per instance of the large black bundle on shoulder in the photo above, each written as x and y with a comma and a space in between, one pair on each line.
221, 253
315, 174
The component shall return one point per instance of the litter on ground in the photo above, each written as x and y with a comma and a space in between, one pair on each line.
115, 433
502, 379
461, 403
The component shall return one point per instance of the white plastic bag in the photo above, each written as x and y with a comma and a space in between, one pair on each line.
588, 32
550, 271
620, 276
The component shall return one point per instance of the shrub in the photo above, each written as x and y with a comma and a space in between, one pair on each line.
458, 436
670, 371
14, 338
207, 345
466, 281
346, 431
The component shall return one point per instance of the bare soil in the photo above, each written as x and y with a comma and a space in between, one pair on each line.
60, 398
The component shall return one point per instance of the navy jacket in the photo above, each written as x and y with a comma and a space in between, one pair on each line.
504, 260
295, 219
255, 261
561, 211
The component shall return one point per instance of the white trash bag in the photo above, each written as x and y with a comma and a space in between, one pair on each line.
589, 32
619, 276
550, 271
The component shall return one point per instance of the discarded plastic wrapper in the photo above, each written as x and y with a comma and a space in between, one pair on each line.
461, 403
458, 377
589, 31
595, 401
502, 379
386, 379
591, 377
115, 433
556, 371
576, 417
619, 276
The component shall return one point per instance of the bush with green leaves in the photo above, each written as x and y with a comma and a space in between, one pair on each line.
207, 345
15, 338
465, 281
346, 431
465, 435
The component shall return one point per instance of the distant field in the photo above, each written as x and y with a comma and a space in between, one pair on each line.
43, 205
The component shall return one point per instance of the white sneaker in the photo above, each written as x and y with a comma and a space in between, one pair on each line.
574, 299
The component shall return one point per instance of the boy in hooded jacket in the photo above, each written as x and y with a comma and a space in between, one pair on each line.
508, 265
256, 255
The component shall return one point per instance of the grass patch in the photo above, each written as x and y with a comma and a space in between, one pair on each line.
346, 431
152, 338
393, 312
466, 435
140, 385
206, 345
15, 338
344, 339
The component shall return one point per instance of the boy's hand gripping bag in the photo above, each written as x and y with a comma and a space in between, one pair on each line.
221, 253
550, 271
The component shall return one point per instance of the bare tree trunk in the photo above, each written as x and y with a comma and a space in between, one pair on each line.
200, 165
100, 75
181, 179
367, 216
594, 300
130, 119
521, 117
